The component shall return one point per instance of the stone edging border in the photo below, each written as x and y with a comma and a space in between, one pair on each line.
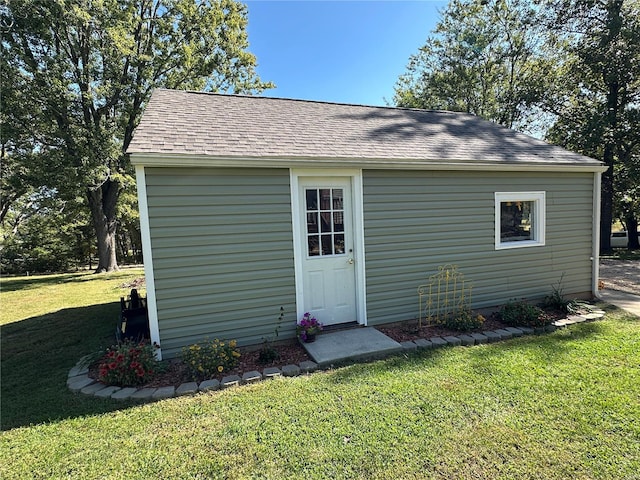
79, 381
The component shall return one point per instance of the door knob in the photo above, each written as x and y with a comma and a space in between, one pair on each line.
350, 261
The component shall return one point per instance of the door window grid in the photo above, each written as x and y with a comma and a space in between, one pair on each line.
325, 221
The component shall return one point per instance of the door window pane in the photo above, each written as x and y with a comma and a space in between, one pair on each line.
327, 245
325, 199
338, 201
325, 222
338, 243
312, 199
338, 222
312, 222
313, 245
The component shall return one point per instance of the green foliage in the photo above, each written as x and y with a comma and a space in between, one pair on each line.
556, 298
42, 233
481, 59
210, 358
594, 94
268, 353
78, 76
463, 320
518, 313
128, 364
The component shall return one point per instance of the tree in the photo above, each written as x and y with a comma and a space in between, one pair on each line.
626, 203
597, 98
42, 233
479, 60
85, 69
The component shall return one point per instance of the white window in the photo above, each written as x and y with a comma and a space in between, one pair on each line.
520, 219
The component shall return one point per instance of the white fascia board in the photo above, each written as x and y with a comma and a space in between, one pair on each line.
180, 160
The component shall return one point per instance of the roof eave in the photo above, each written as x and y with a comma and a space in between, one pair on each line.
148, 159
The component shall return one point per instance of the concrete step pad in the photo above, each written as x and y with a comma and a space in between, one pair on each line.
355, 344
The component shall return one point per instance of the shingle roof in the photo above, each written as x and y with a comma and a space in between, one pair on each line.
216, 125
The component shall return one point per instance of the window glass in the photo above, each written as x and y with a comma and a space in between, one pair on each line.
336, 194
312, 222
327, 245
313, 242
516, 221
312, 200
325, 199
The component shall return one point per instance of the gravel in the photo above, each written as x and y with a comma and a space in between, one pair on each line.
621, 275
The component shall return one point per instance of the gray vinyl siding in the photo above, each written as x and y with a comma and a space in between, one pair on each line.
222, 254
417, 221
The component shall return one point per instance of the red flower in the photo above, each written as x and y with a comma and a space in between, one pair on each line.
120, 358
112, 366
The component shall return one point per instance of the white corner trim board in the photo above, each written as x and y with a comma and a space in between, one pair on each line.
147, 256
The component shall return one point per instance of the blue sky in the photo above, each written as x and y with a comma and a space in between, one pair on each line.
337, 51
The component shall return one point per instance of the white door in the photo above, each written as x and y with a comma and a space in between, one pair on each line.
328, 271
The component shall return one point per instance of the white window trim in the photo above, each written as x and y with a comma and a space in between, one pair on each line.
539, 212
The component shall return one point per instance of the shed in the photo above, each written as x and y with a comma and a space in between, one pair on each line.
249, 204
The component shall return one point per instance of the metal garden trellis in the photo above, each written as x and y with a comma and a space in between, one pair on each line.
446, 293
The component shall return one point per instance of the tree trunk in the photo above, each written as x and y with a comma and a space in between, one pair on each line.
631, 224
606, 211
610, 77
102, 203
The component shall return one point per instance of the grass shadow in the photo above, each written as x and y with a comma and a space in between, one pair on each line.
548, 349
25, 283
37, 354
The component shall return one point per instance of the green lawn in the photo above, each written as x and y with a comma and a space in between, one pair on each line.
564, 405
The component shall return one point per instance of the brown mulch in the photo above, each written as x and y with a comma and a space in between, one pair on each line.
289, 353
292, 353
408, 331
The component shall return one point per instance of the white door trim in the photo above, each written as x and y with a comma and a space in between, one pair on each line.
355, 175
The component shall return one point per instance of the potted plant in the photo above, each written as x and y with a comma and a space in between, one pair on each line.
308, 328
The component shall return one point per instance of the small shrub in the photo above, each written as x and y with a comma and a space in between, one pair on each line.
463, 320
210, 358
555, 299
128, 364
523, 314
268, 352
